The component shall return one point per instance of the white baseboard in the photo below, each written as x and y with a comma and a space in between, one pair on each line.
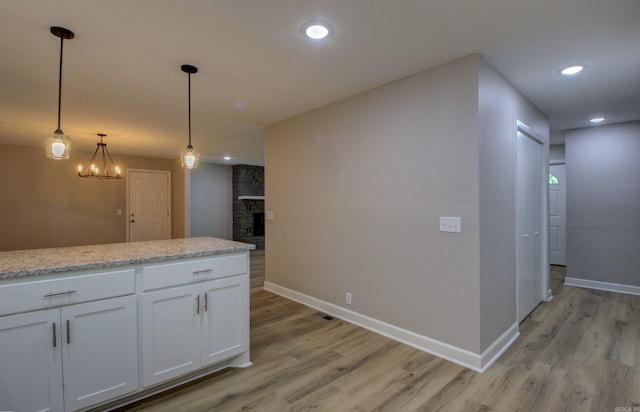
463, 357
606, 286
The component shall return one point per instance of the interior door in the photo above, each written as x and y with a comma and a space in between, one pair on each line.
557, 215
530, 186
149, 212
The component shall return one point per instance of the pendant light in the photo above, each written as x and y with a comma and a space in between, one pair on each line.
189, 157
57, 144
100, 168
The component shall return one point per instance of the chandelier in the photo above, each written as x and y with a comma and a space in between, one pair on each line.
98, 167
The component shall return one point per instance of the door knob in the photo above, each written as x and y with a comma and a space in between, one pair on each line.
133, 221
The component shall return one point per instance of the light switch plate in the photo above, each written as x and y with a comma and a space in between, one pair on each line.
268, 215
450, 224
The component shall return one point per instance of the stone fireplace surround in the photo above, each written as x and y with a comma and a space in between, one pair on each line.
248, 181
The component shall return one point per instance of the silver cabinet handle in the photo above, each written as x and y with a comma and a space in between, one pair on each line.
55, 341
200, 272
68, 332
206, 301
198, 304
52, 294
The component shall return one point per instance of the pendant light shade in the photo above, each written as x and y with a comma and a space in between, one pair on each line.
189, 157
101, 165
57, 145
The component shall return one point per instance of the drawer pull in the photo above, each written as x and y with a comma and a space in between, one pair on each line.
206, 301
55, 341
198, 304
50, 295
201, 272
68, 332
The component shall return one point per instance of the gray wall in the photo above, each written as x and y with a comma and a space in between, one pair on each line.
357, 188
556, 152
501, 105
603, 203
211, 201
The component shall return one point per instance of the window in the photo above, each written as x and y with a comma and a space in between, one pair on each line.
553, 180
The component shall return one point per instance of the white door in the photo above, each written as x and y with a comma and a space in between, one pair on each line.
557, 215
224, 314
149, 199
31, 362
170, 333
530, 186
100, 351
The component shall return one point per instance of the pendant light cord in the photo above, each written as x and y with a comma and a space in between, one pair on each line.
189, 109
60, 84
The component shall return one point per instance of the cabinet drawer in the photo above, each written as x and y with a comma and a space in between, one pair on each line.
46, 293
179, 273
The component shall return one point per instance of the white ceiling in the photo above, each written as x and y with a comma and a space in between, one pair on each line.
122, 76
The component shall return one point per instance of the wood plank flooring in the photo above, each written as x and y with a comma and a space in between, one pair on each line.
579, 352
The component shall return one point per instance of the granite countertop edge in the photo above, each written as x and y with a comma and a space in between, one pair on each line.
217, 247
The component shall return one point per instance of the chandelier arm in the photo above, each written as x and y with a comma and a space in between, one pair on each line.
104, 161
95, 152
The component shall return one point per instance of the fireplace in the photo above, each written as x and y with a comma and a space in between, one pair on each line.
248, 205
258, 224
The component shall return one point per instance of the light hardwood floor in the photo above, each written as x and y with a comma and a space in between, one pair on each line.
579, 352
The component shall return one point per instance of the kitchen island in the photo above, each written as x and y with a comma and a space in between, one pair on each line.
99, 326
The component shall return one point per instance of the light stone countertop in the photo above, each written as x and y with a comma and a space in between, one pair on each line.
36, 262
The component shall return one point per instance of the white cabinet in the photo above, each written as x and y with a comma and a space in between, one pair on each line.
79, 340
192, 326
100, 351
68, 357
31, 362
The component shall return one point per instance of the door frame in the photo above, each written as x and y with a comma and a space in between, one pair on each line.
545, 293
128, 200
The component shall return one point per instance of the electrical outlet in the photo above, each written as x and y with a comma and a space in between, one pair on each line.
348, 298
450, 224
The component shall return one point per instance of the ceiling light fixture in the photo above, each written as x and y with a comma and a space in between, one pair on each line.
189, 156
57, 144
103, 171
597, 120
572, 70
316, 30
227, 158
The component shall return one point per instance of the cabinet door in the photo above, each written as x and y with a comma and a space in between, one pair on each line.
170, 333
100, 351
225, 327
30, 362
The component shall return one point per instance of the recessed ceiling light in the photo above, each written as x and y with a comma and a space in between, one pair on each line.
572, 70
227, 158
597, 120
316, 30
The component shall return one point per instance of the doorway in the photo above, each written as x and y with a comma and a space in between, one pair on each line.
531, 197
148, 205
557, 215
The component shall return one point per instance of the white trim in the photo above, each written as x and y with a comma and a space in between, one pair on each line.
606, 286
463, 357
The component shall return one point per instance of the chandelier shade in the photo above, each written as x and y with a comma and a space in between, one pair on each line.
189, 157
57, 144
101, 165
